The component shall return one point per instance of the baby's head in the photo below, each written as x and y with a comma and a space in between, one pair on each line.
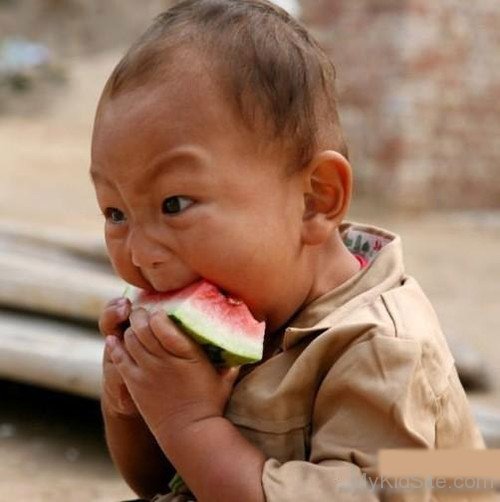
217, 153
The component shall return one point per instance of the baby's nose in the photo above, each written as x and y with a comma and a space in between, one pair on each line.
144, 260
144, 251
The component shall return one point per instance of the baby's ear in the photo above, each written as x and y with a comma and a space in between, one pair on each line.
327, 194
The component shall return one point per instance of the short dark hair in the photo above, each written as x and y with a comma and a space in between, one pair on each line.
268, 61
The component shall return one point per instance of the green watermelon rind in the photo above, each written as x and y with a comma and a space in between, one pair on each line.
234, 350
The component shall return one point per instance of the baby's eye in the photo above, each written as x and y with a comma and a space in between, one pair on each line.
114, 215
176, 204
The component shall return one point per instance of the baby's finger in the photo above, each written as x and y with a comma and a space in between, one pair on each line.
119, 356
172, 339
139, 321
113, 317
137, 352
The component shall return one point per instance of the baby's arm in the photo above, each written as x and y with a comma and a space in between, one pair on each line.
136, 454
216, 461
132, 446
182, 398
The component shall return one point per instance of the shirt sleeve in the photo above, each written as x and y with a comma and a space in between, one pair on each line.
375, 396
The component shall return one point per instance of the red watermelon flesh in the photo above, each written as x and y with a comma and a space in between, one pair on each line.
223, 325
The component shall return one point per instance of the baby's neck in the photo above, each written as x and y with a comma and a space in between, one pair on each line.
333, 265
321, 271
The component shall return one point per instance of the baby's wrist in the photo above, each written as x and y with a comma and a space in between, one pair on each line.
178, 440
186, 426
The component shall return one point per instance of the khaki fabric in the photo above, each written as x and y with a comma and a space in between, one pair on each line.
362, 368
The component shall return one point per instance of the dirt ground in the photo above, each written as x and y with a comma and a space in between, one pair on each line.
51, 445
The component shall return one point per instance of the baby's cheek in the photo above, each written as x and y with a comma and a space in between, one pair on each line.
116, 253
122, 263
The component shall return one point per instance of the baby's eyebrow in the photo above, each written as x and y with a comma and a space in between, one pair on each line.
187, 157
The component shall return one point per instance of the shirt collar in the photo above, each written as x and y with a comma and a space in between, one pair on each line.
385, 270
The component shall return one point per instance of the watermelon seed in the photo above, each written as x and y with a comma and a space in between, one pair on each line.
231, 299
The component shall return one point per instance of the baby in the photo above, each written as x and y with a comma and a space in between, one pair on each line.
217, 154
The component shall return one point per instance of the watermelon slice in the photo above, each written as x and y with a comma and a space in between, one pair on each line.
223, 325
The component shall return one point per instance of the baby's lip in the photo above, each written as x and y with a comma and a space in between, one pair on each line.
156, 283
152, 290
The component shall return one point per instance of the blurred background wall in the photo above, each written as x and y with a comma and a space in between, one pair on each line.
77, 27
419, 86
418, 80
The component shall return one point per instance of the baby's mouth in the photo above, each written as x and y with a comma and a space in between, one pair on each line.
159, 286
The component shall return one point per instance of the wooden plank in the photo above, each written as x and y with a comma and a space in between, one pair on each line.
83, 244
488, 421
473, 370
63, 287
51, 354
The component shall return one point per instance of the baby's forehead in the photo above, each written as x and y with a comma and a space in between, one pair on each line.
187, 102
161, 110
144, 123
185, 84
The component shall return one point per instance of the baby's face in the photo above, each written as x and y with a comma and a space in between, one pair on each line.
186, 195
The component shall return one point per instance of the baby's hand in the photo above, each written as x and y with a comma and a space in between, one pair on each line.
168, 374
113, 322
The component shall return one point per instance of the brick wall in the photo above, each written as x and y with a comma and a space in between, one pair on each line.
76, 27
419, 85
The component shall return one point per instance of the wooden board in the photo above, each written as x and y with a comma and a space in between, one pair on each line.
53, 287
54, 275
488, 421
51, 354
87, 245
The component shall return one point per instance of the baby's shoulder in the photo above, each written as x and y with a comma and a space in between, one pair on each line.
398, 326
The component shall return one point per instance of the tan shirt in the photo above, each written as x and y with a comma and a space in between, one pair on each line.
362, 368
